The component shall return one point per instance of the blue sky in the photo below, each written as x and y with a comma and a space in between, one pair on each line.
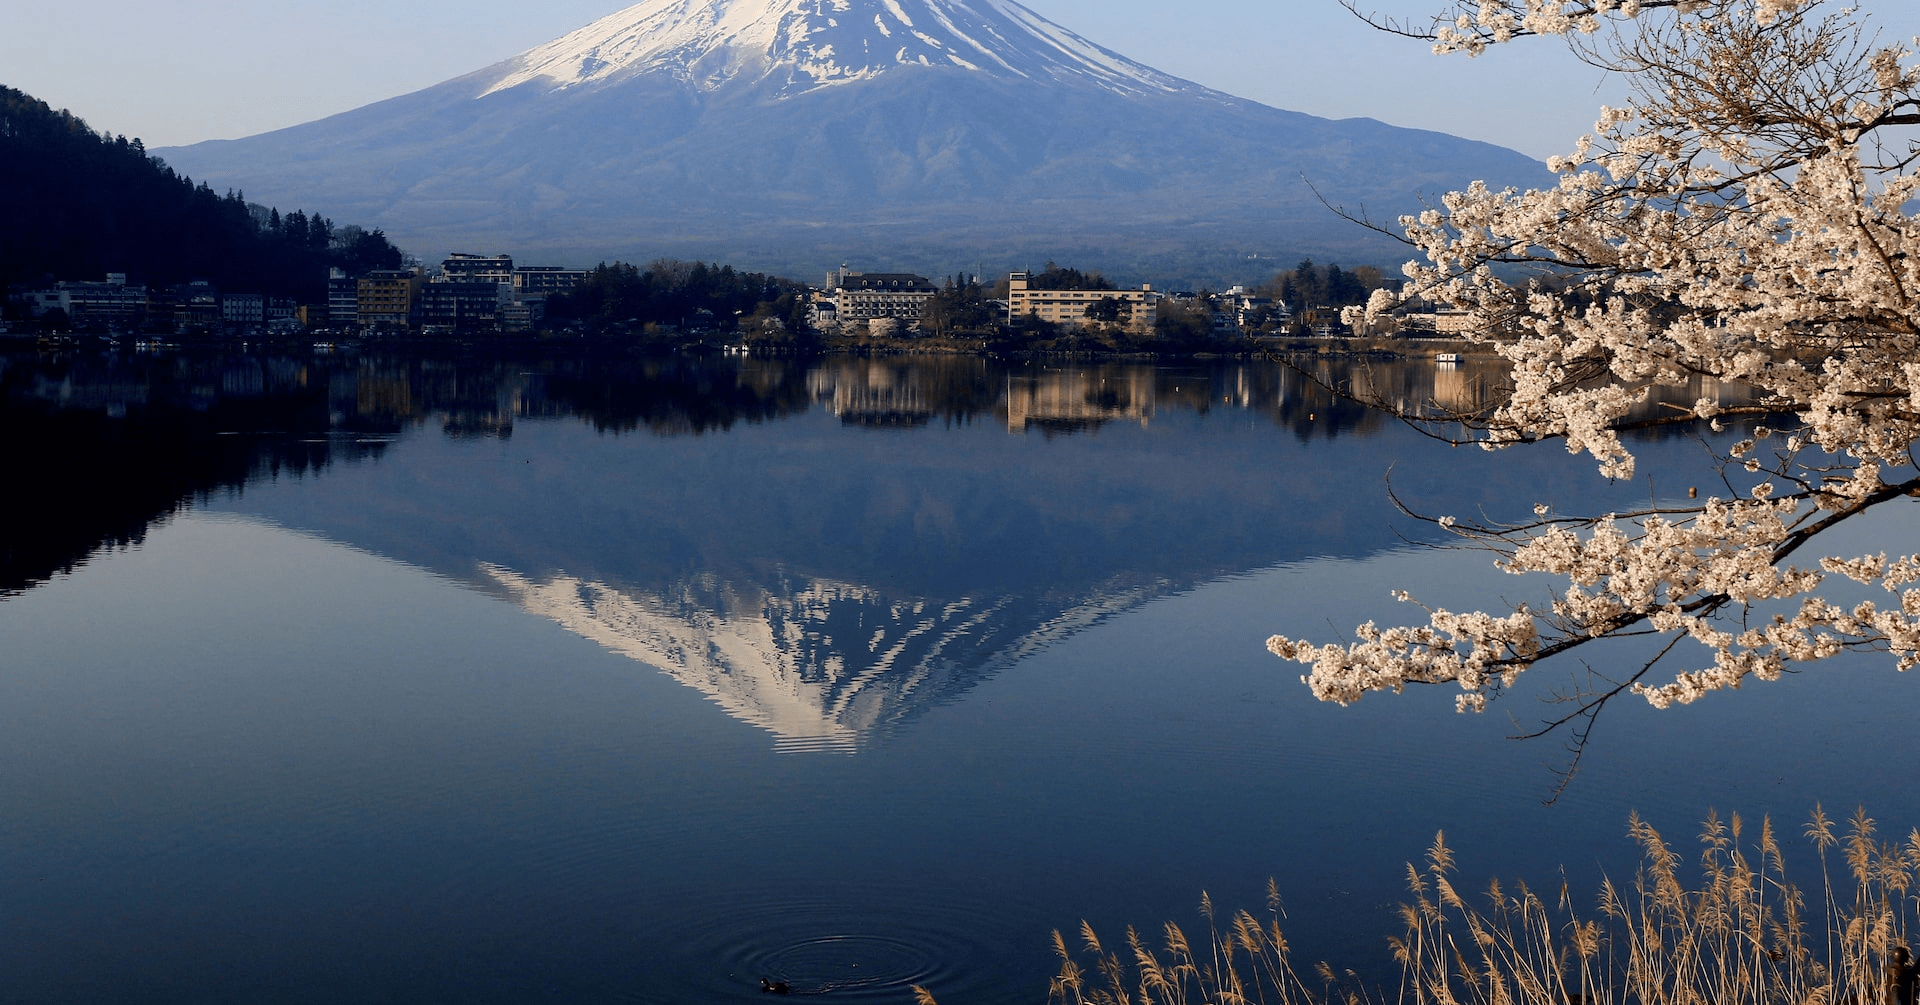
178, 71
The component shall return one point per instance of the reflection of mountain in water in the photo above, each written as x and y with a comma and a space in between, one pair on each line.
818, 664
816, 581
825, 585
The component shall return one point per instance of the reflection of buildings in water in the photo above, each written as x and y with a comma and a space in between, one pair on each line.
480, 403
111, 444
1078, 398
111, 395
486, 398
876, 394
1473, 386
1655, 404
385, 393
1461, 388
1453, 391
1425, 388
817, 663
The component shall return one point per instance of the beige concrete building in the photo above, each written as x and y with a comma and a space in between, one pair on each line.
1138, 307
387, 297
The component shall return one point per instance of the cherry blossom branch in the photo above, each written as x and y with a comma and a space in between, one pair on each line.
1744, 223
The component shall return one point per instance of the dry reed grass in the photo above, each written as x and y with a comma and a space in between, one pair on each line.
1741, 935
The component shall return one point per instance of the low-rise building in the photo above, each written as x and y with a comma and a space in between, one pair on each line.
39, 302
1438, 323
195, 305
530, 281
520, 314
112, 303
1251, 312
823, 312
461, 305
243, 308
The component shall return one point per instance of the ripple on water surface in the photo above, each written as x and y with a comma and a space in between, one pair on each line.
872, 945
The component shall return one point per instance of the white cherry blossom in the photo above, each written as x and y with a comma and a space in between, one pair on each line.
1748, 217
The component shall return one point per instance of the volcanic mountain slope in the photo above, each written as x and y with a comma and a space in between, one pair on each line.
802, 132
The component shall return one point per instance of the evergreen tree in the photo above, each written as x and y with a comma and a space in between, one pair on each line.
678, 293
75, 204
1053, 277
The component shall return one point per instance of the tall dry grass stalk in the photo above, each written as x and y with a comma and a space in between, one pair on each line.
1742, 934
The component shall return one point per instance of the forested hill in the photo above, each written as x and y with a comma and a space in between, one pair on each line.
76, 204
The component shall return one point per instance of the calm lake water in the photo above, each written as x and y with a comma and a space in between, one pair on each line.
414, 680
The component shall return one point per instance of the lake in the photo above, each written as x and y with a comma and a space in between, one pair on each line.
411, 678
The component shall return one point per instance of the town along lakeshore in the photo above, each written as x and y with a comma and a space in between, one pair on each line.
490, 301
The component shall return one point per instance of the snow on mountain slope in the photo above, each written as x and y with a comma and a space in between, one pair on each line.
799, 45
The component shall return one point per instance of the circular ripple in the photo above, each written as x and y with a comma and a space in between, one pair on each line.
840, 963
869, 946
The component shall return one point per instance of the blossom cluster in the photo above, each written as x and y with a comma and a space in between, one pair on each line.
1476, 24
1746, 221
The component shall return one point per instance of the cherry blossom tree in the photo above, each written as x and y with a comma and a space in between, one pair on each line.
1747, 217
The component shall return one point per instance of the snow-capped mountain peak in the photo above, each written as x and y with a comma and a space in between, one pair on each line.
907, 134
800, 45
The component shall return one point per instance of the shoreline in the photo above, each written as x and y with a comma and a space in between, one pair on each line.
1379, 347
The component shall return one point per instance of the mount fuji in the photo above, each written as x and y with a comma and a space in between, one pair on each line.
796, 134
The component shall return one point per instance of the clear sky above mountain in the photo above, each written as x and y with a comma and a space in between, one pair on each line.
175, 72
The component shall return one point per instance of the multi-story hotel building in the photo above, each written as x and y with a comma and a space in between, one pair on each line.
860, 297
1137, 307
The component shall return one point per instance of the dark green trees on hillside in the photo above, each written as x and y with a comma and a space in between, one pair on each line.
75, 204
